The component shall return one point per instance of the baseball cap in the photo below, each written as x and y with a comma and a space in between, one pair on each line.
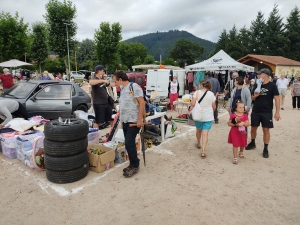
5, 69
100, 67
265, 71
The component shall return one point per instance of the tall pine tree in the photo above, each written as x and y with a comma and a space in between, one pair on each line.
257, 32
244, 39
222, 43
234, 44
274, 39
292, 32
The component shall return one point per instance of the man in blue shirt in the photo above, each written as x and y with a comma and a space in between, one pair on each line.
215, 89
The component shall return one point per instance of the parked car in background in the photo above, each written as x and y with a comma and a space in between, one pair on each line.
48, 98
76, 75
136, 77
87, 74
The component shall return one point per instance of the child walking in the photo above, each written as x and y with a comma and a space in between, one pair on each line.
238, 122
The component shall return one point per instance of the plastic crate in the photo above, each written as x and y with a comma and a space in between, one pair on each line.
93, 137
9, 147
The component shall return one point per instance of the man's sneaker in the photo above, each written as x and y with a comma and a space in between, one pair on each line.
130, 171
282, 108
250, 146
125, 169
266, 153
216, 121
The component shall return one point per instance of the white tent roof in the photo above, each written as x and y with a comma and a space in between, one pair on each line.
220, 61
154, 66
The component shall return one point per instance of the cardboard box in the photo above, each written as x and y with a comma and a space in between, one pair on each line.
105, 161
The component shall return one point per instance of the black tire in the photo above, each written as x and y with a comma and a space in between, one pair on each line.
68, 148
82, 108
66, 163
58, 131
69, 176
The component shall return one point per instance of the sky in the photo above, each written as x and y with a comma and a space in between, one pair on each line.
203, 18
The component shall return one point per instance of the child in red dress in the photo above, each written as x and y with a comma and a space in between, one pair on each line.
237, 135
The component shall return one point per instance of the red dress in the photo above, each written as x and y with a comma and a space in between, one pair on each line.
235, 137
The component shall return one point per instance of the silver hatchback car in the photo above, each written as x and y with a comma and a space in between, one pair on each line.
50, 99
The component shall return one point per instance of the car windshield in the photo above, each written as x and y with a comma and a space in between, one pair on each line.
21, 90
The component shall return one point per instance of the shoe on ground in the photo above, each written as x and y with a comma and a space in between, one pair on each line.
130, 171
216, 121
250, 146
265, 154
282, 108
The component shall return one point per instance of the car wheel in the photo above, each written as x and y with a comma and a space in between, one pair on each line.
59, 163
69, 176
69, 130
68, 148
82, 108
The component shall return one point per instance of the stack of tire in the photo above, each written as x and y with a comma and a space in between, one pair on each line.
65, 146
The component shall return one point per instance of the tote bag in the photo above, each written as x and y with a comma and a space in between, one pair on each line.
196, 112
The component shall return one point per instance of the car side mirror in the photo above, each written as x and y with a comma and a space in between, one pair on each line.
33, 98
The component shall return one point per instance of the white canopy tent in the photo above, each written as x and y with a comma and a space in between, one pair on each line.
154, 66
14, 63
220, 61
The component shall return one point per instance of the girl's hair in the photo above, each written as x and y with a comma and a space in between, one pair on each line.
240, 80
121, 75
238, 101
206, 84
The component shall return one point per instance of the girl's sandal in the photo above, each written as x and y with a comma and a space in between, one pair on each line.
241, 154
203, 155
235, 161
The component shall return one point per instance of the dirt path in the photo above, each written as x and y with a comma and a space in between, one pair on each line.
176, 187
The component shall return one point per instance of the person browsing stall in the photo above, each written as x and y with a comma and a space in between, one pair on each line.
7, 79
173, 91
10, 107
132, 107
102, 108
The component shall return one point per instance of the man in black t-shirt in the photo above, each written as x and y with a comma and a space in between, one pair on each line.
102, 108
262, 111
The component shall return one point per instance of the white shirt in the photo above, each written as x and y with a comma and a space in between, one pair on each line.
173, 88
282, 83
207, 113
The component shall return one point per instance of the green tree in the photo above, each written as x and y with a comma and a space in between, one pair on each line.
54, 65
186, 51
292, 32
107, 40
14, 42
234, 45
60, 16
257, 32
244, 40
85, 55
274, 39
39, 48
149, 59
222, 43
169, 61
129, 53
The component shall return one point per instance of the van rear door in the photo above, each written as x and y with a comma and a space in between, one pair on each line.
151, 81
181, 80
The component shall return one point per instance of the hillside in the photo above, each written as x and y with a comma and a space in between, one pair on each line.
161, 42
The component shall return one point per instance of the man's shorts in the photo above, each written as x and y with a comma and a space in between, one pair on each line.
203, 125
282, 91
266, 119
103, 113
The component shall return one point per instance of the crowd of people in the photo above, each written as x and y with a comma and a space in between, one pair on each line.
259, 96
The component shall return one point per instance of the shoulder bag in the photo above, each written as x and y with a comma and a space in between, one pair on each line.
196, 111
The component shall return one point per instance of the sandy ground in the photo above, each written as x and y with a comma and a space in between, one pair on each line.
176, 186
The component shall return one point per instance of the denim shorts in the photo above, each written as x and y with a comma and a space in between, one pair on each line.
203, 125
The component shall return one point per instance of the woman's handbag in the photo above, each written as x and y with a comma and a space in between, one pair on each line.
196, 111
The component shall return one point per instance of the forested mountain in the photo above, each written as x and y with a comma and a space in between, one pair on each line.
160, 43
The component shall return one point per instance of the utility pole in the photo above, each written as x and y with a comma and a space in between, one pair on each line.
68, 50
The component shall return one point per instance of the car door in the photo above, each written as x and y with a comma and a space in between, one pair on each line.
51, 102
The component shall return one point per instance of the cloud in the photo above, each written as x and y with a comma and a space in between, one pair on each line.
204, 19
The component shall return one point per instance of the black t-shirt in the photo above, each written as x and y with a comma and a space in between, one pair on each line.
264, 102
99, 93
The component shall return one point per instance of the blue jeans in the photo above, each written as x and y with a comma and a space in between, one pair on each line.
130, 135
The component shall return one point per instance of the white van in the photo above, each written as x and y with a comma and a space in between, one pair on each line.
158, 80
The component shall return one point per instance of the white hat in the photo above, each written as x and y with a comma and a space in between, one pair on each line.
5, 70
